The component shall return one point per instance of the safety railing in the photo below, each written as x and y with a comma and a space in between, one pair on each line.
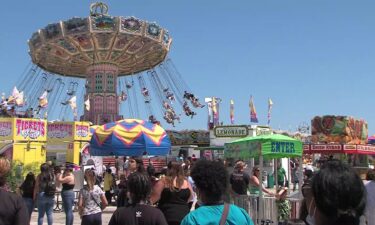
270, 210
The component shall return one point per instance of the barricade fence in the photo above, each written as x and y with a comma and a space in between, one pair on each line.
270, 211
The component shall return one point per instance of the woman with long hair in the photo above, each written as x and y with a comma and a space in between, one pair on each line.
27, 190
138, 211
173, 193
91, 201
44, 199
135, 165
67, 193
254, 182
13, 210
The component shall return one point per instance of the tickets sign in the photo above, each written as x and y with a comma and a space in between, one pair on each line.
30, 129
5, 129
60, 130
82, 131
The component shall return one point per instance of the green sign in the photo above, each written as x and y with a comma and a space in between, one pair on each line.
271, 146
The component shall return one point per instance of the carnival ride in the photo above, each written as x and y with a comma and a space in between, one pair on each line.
94, 71
96, 65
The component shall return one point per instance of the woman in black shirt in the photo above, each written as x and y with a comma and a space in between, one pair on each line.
27, 189
12, 208
138, 211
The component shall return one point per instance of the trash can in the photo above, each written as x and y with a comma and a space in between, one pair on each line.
270, 180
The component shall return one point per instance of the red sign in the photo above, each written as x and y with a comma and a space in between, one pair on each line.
337, 148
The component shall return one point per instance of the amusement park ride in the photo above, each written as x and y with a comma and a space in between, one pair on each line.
90, 68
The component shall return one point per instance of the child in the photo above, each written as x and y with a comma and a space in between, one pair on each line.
283, 206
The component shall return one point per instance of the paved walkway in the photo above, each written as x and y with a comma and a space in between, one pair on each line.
59, 217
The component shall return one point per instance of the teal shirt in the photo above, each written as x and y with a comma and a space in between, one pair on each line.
210, 215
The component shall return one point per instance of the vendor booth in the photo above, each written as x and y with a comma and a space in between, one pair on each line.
23, 140
66, 139
273, 146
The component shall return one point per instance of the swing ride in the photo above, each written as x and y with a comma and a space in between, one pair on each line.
109, 65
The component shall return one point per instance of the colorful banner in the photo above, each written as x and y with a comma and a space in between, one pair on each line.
60, 131
253, 113
231, 112
270, 104
338, 129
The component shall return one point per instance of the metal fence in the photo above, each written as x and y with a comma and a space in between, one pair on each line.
251, 205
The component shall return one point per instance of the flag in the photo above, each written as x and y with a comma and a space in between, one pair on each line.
73, 102
43, 101
87, 104
19, 100
215, 111
231, 112
253, 113
270, 103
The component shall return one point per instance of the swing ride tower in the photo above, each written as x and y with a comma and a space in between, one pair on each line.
101, 49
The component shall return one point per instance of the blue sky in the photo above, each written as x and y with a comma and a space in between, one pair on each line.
311, 57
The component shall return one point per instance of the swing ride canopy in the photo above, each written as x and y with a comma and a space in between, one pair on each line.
69, 47
269, 146
129, 137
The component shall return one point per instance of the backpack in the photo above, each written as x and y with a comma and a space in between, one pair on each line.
50, 188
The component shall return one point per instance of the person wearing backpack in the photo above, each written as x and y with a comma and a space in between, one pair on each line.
67, 193
44, 193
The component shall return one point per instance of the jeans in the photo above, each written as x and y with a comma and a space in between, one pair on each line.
45, 205
68, 203
29, 202
93, 219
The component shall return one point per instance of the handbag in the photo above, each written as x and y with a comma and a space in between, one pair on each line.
224, 216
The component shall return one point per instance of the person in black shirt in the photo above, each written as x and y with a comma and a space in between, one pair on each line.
27, 189
239, 180
138, 212
13, 210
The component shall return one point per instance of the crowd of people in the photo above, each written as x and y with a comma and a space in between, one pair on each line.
188, 192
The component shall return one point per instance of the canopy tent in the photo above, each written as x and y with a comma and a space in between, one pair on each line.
270, 146
338, 148
129, 137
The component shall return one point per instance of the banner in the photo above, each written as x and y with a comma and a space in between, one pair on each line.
29, 130
253, 113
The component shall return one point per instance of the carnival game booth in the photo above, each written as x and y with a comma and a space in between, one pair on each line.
343, 137
273, 146
356, 155
66, 141
23, 141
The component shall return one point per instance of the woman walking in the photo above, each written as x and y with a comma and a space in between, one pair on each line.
27, 189
42, 194
67, 193
91, 201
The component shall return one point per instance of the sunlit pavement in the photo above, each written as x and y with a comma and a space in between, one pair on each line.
59, 217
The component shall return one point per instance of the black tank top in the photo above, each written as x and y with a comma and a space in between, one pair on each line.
67, 187
174, 204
